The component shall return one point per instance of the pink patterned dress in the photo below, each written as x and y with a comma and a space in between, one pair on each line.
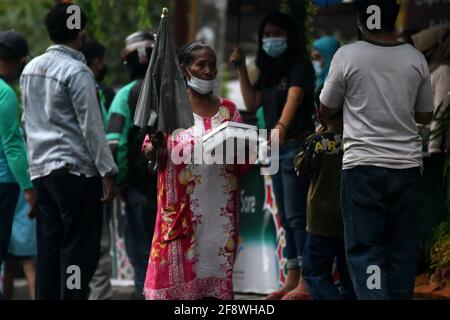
196, 233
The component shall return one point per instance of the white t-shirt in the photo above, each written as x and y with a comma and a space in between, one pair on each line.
380, 87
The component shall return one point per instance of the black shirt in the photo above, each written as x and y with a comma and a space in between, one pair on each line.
300, 74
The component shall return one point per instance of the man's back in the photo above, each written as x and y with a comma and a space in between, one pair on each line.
381, 88
62, 115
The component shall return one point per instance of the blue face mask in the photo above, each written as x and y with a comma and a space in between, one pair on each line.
275, 47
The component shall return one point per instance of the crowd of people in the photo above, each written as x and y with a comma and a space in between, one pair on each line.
348, 187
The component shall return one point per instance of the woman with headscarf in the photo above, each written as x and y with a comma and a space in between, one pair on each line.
324, 50
434, 43
196, 233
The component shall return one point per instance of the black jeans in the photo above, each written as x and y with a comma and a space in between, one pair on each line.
140, 223
381, 213
69, 228
9, 195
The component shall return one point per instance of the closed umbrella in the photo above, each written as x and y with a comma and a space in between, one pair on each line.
163, 103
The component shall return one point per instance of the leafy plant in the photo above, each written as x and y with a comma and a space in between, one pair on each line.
303, 13
110, 22
440, 250
442, 117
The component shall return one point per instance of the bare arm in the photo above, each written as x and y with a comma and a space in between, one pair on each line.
252, 97
294, 100
327, 112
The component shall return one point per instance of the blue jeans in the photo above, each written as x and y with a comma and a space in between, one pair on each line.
380, 209
290, 193
140, 215
320, 253
9, 195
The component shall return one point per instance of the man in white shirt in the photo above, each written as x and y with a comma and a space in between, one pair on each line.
384, 89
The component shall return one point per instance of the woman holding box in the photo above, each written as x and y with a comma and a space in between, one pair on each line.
196, 234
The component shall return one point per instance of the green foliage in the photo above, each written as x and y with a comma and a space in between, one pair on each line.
27, 17
440, 250
442, 116
110, 22
303, 13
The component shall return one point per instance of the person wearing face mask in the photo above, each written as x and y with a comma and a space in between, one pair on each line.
95, 54
69, 156
285, 89
100, 285
196, 233
13, 158
323, 52
136, 186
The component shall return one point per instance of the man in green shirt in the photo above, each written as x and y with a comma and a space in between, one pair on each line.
13, 159
137, 186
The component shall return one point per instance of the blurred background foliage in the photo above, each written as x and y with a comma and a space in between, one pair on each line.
304, 13
110, 22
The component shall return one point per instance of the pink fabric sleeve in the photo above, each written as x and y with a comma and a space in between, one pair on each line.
146, 143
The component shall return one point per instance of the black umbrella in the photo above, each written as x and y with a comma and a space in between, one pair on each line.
163, 103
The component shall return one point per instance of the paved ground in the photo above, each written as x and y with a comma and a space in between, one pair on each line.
119, 292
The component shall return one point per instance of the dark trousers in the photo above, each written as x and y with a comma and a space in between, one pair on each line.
9, 195
320, 254
69, 228
140, 215
380, 209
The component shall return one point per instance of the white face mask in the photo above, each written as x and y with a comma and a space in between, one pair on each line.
202, 86
317, 67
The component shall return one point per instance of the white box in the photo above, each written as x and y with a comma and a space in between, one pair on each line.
240, 132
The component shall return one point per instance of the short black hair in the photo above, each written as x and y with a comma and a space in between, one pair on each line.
389, 13
92, 50
7, 53
187, 52
56, 23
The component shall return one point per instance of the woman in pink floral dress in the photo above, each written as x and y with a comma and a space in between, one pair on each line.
196, 233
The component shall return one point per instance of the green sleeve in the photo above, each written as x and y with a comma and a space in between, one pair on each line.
12, 140
119, 123
120, 107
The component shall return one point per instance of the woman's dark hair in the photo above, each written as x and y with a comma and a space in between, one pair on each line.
186, 55
389, 13
56, 23
273, 69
